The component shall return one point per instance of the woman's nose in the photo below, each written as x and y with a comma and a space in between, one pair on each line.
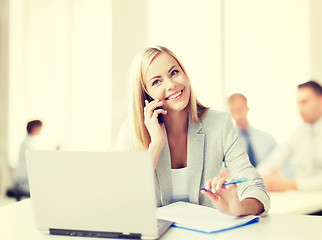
170, 84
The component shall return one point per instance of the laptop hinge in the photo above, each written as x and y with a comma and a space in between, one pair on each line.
97, 234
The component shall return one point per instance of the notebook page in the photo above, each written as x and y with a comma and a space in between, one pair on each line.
199, 217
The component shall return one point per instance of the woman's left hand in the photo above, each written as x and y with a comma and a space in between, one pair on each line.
225, 199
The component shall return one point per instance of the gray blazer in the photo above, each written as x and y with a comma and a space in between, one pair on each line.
211, 142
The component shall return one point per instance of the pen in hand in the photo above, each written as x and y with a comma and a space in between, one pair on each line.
229, 182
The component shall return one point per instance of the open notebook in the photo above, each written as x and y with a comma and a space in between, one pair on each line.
202, 219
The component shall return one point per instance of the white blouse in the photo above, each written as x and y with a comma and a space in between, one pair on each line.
180, 184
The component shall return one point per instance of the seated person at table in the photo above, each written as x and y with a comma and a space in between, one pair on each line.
304, 148
258, 143
191, 143
20, 177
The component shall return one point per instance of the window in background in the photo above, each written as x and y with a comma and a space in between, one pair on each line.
266, 56
60, 72
192, 30
258, 48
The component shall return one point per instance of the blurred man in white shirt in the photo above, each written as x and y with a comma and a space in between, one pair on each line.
20, 177
304, 148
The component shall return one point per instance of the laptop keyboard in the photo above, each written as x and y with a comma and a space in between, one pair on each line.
96, 234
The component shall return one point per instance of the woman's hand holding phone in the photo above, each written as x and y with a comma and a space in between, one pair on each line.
156, 130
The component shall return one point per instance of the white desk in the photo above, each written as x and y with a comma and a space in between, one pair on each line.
16, 223
296, 202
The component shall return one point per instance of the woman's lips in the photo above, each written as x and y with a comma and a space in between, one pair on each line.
175, 96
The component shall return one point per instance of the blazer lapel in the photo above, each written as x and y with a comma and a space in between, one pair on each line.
195, 159
163, 171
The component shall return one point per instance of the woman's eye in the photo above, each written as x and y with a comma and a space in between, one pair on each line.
174, 72
155, 82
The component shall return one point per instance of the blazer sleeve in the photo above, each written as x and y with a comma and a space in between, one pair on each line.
237, 162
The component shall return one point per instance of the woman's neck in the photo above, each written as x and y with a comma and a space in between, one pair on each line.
176, 122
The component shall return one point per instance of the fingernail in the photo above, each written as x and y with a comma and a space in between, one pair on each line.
217, 188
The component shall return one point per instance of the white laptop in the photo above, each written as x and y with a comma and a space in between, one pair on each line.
94, 194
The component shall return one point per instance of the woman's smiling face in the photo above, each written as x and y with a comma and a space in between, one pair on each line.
166, 81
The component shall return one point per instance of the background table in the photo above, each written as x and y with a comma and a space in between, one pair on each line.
296, 202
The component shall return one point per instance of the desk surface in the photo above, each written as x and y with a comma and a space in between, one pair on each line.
16, 223
296, 202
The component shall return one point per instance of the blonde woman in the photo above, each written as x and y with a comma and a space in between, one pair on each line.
191, 145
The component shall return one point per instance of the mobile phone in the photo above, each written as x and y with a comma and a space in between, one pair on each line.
160, 116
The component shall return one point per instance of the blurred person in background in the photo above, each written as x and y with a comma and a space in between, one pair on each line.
20, 177
257, 143
303, 148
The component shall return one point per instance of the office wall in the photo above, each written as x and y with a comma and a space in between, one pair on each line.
4, 101
60, 72
4, 27
267, 53
129, 36
316, 40
193, 31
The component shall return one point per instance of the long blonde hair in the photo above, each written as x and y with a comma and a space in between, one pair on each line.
139, 135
